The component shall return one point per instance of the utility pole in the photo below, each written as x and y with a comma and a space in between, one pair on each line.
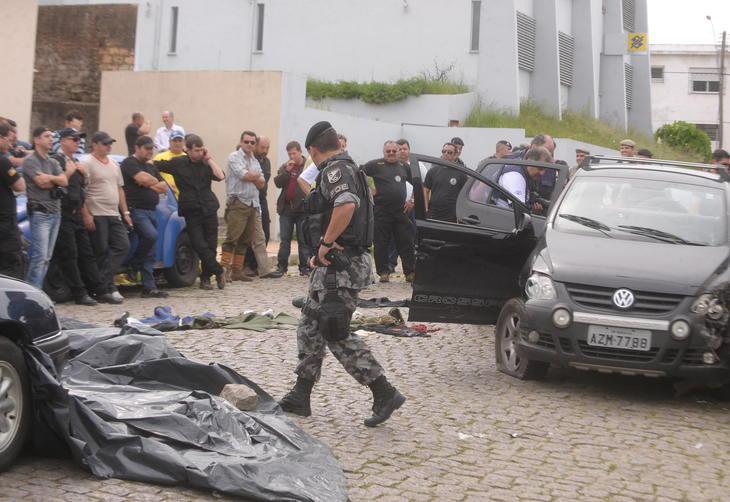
721, 128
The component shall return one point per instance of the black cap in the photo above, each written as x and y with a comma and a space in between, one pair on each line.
504, 142
316, 131
457, 141
103, 138
144, 141
70, 132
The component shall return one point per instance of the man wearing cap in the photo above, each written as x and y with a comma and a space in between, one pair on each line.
627, 148
580, 155
343, 199
142, 188
66, 254
459, 145
105, 200
43, 177
502, 149
177, 149
164, 133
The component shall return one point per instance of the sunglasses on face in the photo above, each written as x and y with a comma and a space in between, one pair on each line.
245, 142
448, 152
75, 140
391, 151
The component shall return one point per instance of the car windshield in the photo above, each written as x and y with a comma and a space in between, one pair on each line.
637, 209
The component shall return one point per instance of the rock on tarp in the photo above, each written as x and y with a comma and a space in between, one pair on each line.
129, 406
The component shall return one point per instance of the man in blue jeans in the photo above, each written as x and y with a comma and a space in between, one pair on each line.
43, 177
143, 185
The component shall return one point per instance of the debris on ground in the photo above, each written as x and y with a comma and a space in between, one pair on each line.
164, 319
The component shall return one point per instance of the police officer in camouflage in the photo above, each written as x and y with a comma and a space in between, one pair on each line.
341, 268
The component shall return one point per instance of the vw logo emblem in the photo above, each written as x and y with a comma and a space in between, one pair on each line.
623, 298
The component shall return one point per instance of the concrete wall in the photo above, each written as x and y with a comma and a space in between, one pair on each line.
673, 98
74, 45
430, 109
16, 83
383, 42
216, 105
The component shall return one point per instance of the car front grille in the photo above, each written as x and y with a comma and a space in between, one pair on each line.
601, 298
693, 356
633, 356
546, 341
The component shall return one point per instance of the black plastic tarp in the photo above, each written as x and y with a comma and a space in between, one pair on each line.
128, 405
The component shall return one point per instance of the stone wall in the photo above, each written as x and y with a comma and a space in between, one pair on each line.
74, 44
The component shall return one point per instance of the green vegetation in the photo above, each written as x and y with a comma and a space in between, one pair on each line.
685, 137
381, 93
577, 126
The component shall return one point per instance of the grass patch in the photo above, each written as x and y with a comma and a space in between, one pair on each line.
380, 92
577, 126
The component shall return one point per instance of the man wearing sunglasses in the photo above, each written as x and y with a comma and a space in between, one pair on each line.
143, 185
244, 179
391, 221
441, 187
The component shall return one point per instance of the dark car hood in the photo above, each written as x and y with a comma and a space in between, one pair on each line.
30, 307
640, 265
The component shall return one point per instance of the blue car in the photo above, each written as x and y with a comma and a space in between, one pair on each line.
175, 257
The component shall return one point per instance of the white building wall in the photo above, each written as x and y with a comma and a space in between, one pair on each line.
673, 99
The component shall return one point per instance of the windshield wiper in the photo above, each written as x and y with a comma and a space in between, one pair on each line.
657, 234
587, 222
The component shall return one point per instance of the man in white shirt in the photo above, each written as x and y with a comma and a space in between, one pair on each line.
517, 180
162, 136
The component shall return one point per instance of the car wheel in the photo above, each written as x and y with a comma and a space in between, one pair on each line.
507, 334
14, 402
185, 269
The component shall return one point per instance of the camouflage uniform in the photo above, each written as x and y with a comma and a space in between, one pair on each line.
338, 186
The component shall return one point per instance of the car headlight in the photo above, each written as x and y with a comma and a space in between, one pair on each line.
701, 305
540, 287
680, 329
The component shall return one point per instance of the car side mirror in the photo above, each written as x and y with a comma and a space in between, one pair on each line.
524, 222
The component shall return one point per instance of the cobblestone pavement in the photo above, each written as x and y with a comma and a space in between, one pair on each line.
466, 432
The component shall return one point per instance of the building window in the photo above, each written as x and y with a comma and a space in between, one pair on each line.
476, 9
705, 80
259, 27
657, 74
628, 10
710, 129
526, 28
566, 53
173, 29
629, 83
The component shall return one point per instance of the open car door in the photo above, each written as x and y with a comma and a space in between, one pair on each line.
466, 270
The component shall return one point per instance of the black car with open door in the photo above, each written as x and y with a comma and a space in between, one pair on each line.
619, 271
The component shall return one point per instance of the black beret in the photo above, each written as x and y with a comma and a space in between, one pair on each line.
315, 131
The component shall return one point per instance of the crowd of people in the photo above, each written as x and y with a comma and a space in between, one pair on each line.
82, 206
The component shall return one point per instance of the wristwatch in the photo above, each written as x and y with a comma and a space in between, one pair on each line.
126, 213
326, 244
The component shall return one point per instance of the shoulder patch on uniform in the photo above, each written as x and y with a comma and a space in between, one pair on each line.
340, 188
12, 172
334, 175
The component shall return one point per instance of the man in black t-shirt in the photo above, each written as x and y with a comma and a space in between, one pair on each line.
10, 180
442, 186
391, 218
142, 188
138, 127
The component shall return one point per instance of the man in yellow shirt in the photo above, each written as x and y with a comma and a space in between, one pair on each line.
177, 143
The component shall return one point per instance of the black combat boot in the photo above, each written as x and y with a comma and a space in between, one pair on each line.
386, 399
297, 400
